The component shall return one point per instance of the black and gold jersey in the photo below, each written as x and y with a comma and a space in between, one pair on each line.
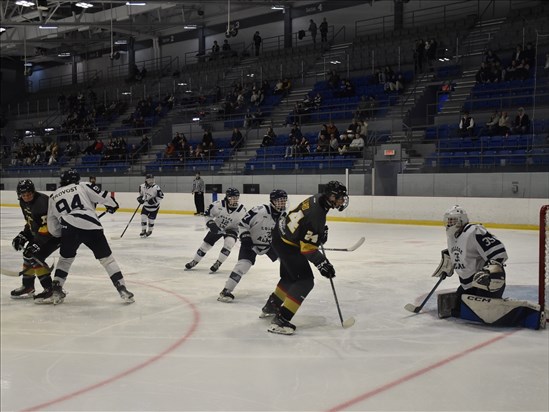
36, 216
303, 227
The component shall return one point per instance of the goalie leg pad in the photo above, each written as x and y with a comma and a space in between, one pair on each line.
448, 305
500, 312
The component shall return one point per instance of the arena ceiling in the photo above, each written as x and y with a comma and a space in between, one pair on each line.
41, 30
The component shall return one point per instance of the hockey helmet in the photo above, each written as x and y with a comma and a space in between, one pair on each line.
278, 199
231, 196
69, 176
25, 186
455, 219
149, 179
340, 199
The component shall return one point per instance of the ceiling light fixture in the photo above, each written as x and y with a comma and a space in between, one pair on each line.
28, 64
83, 5
48, 27
136, 3
24, 3
277, 7
64, 54
2, 29
189, 26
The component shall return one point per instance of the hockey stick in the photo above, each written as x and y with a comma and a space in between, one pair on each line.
128, 225
345, 323
415, 309
347, 249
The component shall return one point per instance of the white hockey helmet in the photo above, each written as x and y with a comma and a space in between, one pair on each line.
455, 219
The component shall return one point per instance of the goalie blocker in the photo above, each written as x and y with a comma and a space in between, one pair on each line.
491, 311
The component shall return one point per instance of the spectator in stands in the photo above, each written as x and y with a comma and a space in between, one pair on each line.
504, 124
286, 86
257, 42
226, 49
361, 127
215, 49
236, 139
312, 29
357, 145
334, 81
169, 152
483, 74
419, 56
208, 145
333, 129
496, 74
279, 87
248, 119
291, 146
518, 54
491, 125
295, 131
323, 28
523, 70
431, 52
490, 58
334, 144
304, 147
345, 140
323, 144
317, 101
466, 125
522, 122
510, 71
257, 117
324, 132
269, 138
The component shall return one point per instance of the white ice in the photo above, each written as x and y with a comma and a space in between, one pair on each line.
178, 349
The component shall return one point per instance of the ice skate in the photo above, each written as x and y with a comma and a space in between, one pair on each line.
215, 266
281, 326
225, 296
44, 298
22, 292
58, 295
125, 294
191, 264
143, 233
148, 233
268, 310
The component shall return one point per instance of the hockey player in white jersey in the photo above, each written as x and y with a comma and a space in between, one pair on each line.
72, 217
478, 257
222, 219
150, 196
255, 239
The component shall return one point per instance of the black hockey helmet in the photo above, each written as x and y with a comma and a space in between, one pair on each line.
149, 179
278, 199
69, 176
231, 196
338, 190
25, 186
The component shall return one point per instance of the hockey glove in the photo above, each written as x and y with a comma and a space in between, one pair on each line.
151, 201
31, 250
19, 241
324, 237
246, 240
140, 200
326, 269
213, 227
111, 209
482, 278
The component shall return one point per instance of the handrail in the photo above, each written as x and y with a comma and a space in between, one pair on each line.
67, 79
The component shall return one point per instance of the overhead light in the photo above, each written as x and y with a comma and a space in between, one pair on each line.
127, 93
196, 119
49, 129
24, 3
181, 84
189, 26
28, 64
136, 3
335, 62
277, 7
122, 41
83, 5
2, 29
64, 54
48, 27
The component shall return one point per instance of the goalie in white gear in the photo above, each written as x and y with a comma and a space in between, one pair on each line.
222, 219
478, 257
255, 239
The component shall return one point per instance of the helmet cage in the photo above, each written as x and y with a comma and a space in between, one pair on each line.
279, 199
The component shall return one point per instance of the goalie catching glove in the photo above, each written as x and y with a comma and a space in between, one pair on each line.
491, 277
19, 241
446, 267
213, 227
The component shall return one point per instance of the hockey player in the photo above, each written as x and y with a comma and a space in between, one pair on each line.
255, 239
71, 216
35, 241
296, 240
478, 257
150, 196
222, 219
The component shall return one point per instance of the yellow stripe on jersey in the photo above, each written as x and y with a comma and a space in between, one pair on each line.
307, 247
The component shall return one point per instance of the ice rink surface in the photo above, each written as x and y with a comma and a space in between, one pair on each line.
178, 349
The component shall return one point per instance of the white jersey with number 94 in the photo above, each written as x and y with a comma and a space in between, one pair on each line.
75, 204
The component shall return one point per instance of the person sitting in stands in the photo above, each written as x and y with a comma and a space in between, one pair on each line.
522, 122
236, 139
269, 138
466, 125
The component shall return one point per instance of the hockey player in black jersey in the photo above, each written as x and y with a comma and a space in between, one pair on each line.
35, 241
296, 240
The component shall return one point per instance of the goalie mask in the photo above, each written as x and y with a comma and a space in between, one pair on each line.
278, 199
24, 188
149, 180
231, 197
335, 194
68, 177
455, 220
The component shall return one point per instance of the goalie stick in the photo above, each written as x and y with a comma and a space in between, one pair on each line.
347, 249
416, 309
